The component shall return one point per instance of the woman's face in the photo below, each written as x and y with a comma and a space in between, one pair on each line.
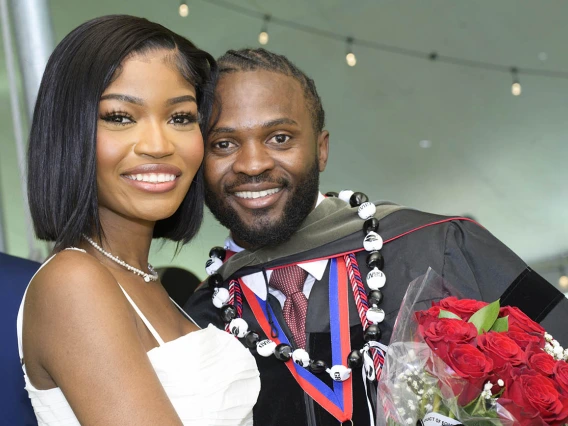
149, 145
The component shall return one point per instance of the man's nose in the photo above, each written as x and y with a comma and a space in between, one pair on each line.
253, 159
154, 142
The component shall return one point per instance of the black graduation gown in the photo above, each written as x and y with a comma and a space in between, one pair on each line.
462, 252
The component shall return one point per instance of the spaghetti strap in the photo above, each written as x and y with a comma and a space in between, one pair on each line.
143, 318
185, 314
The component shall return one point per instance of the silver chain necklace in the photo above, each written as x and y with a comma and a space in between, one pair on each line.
152, 276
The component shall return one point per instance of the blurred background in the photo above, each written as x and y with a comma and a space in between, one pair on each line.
448, 106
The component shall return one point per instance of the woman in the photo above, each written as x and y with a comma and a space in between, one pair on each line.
115, 147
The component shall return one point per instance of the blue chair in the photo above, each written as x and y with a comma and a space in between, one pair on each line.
15, 406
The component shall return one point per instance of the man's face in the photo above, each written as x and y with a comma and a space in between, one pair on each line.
262, 157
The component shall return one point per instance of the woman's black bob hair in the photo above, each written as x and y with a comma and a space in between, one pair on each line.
62, 181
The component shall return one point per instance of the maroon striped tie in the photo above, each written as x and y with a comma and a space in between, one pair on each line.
290, 281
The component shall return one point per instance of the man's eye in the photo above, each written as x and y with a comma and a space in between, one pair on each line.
222, 145
281, 138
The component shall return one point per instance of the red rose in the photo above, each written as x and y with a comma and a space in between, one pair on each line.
561, 375
536, 397
424, 316
464, 308
438, 333
518, 321
540, 361
524, 339
470, 364
501, 349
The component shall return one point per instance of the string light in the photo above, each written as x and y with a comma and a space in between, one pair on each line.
263, 35
183, 9
516, 86
563, 280
350, 57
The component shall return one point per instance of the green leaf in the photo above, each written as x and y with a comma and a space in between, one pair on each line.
448, 314
485, 317
501, 325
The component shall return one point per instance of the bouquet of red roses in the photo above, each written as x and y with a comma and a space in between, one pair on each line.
456, 361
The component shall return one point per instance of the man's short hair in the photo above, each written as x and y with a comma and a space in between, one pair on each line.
262, 59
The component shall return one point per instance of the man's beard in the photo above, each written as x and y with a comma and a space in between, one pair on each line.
267, 232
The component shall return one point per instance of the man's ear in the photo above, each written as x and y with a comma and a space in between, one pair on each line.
323, 149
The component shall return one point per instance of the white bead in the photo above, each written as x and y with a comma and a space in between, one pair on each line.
376, 279
375, 315
212, 265
339, 373
345, 195
238, 327
369, 367
373, 242
220, 297
366, 210
301, 357
265, 347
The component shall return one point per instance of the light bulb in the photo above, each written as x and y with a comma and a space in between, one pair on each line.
183, 10
563, 281
263, 38
351, 59
516, 88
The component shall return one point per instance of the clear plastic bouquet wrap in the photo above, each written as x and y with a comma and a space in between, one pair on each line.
458, 361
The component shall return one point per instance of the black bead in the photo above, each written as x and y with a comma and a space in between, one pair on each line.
214, 280
283, 352
375, 260
332, 194
251, 339
219, 252
375, 297
371, 224
372, 333
354, 359
317, 367
228, 313
357, 199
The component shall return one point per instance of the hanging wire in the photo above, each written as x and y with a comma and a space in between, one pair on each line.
397, 50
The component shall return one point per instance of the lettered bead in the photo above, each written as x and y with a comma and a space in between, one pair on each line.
366, 210
238, 327
373, 242
283, 352
218, 252
265, 347
317, 367
345, 195
339, 373
371, 224
228, 313
332, 194
251, 339
214, 280
301, 357
372, 333
212, 265
375, 297
357, 199
375, 260
375, 315
220, 297
376, 279
354, 359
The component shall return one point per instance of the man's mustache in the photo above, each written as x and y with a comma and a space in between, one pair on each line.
243, 179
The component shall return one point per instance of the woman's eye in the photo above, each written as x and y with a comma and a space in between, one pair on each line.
281, 138
183, 119
119, 119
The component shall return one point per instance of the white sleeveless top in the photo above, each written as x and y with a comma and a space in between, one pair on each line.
209, 376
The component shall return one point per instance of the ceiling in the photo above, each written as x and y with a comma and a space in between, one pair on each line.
499, 158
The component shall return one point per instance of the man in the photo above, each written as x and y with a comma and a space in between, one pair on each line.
263, 157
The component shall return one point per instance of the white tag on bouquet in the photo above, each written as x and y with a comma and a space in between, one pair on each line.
435, 419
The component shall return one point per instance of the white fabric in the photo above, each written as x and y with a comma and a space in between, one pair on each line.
210, 378
256, 282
